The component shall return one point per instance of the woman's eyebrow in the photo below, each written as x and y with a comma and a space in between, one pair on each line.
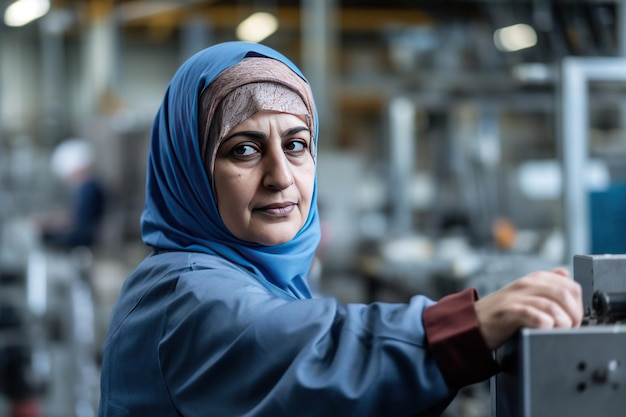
254, 134
294, 130
250, 133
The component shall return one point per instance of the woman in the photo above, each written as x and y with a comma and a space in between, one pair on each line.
219, 320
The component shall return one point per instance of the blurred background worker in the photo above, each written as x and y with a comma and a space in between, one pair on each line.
78, 225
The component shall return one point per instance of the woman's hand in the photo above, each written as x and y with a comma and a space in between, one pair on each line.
540, 300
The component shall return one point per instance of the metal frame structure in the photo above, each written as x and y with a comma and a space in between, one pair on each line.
576, 74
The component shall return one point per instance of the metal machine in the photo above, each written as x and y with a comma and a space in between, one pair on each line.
571, 372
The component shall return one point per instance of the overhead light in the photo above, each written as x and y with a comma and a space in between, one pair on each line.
515, 37
25, 11
257, 27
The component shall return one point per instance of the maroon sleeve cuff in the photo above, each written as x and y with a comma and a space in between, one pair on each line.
456, 342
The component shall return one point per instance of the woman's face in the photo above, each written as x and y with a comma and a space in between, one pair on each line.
264, 174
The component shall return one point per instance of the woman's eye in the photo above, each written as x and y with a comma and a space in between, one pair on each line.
244, 150
296, 146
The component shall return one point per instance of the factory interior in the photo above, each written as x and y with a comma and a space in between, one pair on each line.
462, 143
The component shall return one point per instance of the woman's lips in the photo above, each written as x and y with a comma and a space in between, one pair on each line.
278, 209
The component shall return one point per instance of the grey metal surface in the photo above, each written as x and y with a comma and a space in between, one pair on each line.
599, 272
577, 372
562, 373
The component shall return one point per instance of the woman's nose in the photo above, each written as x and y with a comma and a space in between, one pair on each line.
278, 174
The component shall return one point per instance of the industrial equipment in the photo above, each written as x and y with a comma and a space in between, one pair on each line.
577, 372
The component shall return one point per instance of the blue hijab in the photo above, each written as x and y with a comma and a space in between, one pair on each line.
180, 212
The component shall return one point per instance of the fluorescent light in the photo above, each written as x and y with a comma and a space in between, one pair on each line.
514, 38
257, 27
25, 11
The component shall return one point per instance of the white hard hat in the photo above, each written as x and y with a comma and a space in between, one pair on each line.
70, 156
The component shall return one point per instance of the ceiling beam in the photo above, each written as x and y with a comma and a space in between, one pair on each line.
225, 17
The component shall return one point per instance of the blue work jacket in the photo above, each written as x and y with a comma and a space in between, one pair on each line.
193, 335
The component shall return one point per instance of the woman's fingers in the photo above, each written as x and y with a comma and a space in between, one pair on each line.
561, 271
540, 300
544, 313
561, 290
